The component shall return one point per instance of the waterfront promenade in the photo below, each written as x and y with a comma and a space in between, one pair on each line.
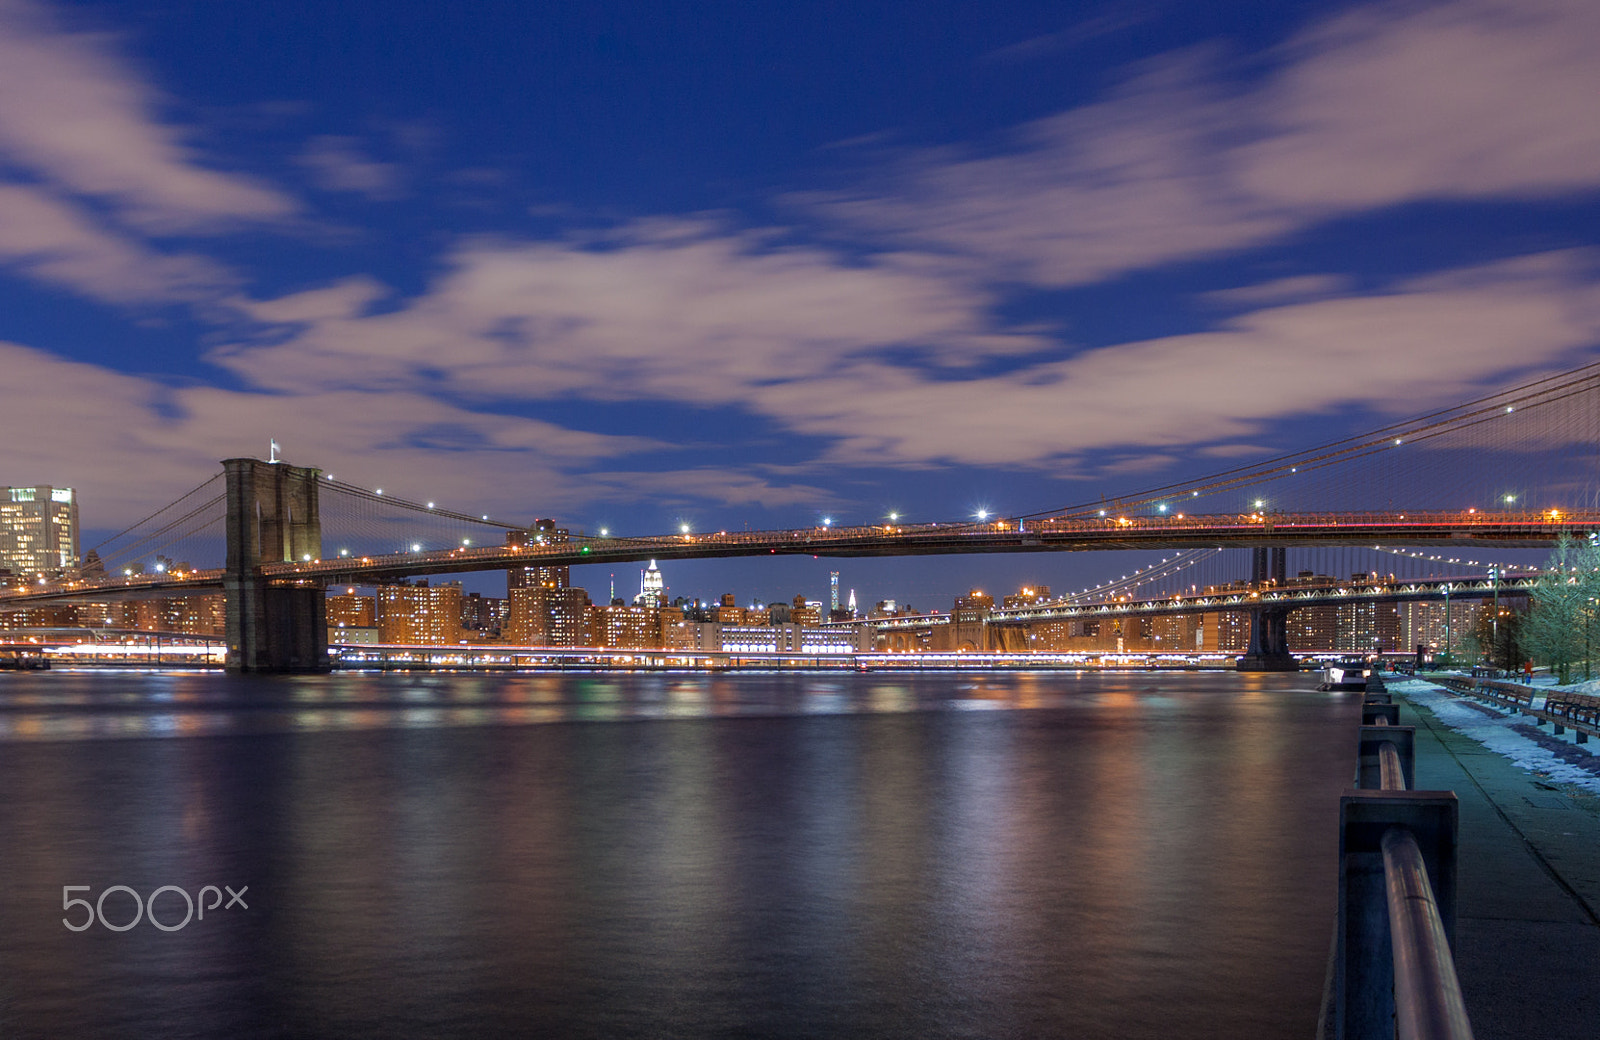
1528, 916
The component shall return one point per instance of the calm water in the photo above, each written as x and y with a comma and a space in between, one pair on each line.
1050, 855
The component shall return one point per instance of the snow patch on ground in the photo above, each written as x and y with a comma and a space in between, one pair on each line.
1534, 751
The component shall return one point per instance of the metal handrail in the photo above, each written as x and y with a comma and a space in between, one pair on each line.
1427, 993
1393, 777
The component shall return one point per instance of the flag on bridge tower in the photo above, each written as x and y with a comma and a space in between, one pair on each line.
272, 456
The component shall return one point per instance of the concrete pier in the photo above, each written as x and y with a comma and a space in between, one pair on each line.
1528, 895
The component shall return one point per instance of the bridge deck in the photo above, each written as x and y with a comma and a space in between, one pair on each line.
1076, 534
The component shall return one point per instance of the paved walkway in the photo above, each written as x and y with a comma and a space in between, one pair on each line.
1528, 913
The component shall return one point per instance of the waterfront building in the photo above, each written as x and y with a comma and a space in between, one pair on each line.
204, 615
1315, 628
480, 614
38, 617
1227, 631
1424, 623
38, 529
621, 627
805, 612
541, 615
540, 532
789, 638
1026, 596
349, 610
352, 618
420, 614
1364, 627
969, 621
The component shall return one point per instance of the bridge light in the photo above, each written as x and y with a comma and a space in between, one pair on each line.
344, 552
1162, 508
683, 528
430, 505
466, 541
415, 547
1260, 503
983, 514
378, 492
1511, 498
605, 533
827, 521
1509, 408
1397, 442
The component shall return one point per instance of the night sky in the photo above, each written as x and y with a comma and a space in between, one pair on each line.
740, 264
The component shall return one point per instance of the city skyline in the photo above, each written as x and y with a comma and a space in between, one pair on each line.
710, 266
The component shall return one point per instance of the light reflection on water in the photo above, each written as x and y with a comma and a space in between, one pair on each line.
675, 855
101, 704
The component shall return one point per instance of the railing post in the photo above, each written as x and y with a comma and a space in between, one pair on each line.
1372, 738
1371, 712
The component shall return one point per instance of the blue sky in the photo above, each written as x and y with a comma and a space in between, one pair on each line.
749, 264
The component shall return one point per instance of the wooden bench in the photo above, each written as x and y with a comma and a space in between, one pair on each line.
1512, 695
1580, 711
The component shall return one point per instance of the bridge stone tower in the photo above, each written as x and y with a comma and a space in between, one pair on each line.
273, 517
1269, 626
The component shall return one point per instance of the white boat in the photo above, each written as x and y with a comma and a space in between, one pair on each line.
1345, 676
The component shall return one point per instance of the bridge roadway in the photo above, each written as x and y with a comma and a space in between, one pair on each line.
1467, 529
1076, 534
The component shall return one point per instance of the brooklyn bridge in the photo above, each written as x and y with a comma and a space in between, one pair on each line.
1514, 470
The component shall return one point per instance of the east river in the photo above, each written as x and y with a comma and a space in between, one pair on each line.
610, 855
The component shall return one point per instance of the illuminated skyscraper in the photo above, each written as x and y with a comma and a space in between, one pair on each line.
38, 529
652, 588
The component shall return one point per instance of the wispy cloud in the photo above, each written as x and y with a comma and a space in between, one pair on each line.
73, 113
1073, 36
340, 164
1385, 105
58, 243
859, 356
669, 310
129, 442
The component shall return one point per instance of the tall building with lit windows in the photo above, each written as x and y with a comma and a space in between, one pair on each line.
38, 529
420, 614
542, 532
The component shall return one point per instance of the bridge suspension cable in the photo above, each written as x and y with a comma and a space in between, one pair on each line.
175, 535
425, 508
1451, 427
170, 505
